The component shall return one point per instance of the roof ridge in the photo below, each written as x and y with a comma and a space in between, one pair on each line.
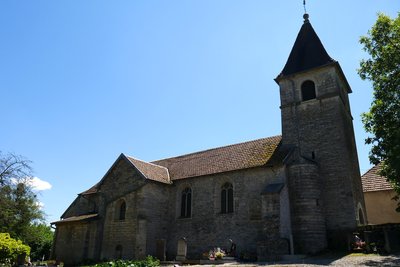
215, 148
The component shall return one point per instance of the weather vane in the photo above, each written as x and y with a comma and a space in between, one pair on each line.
304, 5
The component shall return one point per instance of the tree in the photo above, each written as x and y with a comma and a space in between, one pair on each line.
13, 167
40, 239
383, 119
19, 204
20, 214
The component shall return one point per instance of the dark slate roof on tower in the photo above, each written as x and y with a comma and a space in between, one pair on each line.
307, 52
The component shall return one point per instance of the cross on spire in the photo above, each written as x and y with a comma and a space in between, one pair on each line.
305, 16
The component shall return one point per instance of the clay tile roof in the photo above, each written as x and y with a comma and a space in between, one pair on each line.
77, 218
372, 181
223, 159
151, 171
307, 52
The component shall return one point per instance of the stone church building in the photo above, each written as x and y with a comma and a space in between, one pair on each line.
291, 194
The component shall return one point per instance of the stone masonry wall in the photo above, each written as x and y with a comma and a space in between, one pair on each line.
208, 228
153, 214
146, 217
152, 208
322, 129
121, 180
122, 183
275, 242
74, 242
309, 231
120, 232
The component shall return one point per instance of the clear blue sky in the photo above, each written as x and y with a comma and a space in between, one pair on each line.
83, 81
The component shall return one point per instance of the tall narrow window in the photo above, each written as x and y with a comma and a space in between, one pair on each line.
308, 90
186, 203
227, 198
122, 211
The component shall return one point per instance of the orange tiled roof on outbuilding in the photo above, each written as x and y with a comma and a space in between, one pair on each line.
372, 181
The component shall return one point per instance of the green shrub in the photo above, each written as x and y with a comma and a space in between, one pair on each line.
148, 262
11, 248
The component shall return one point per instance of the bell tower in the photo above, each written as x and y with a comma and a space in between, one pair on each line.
323, 174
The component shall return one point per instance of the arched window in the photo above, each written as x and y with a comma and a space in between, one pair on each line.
186, 203
227, 198
118, 252
122, 210
308, 90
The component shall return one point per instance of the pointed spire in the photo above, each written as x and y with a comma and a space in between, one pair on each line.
307, 52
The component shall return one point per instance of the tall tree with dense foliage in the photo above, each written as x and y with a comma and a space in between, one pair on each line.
19, 204
383, 119
40, 239
20, 215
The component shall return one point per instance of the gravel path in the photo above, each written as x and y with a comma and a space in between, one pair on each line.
350, 260
345, 261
